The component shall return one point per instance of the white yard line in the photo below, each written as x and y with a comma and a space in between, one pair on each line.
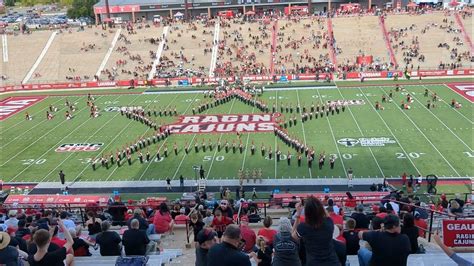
37, 139
54, 146
302, 127
454, 134
3, 130
215, 151
5, 48
215, 45
333, 137
91, 136
109, 52
454, 109
40, 57
390, 130
419, 130
161, 46
274, 148
184, 156
360, 130
166, 140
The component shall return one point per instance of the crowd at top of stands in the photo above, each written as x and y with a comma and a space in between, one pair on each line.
316, 231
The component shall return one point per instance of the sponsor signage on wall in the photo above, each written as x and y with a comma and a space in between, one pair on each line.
230, 123
458, 233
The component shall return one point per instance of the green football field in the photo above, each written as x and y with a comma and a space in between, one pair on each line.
437, 141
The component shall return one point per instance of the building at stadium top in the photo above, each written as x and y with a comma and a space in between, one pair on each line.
127, 10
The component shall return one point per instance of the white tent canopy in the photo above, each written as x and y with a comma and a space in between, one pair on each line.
179, 14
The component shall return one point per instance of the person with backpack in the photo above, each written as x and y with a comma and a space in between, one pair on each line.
285, 247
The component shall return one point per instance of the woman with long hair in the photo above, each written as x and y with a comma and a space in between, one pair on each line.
93, 224
409, 229
316, 232
162, 220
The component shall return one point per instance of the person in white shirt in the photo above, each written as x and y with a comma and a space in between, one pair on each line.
12, 221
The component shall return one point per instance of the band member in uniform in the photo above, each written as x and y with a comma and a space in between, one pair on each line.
263, 150
147, 156
210, 145
186, 148
129, 159
299, 159
226, 146
321, 162
270, 153
196, 147
175, 148
140, 157
165, 151
219, 146
252, 148
28, 116
93, 163
203, 145
331, 162
288, 158
68, 115
241, 147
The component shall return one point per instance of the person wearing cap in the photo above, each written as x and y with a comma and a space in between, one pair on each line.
8, 254
284, 246
389, 247
206, 239
229, 252
248, 235
362, 221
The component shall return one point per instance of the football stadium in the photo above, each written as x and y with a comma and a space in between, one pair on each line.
236, 133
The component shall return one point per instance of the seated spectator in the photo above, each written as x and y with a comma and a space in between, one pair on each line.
389, 247
336, 218
362, 222
16, 241
206, 239
253, 215
109, 241
22, 229
182, 218
225, 209
450, 252
220, 223
12, 221
162, 220
350, 201
266, 232
229, 251
248, 235
134, 240
316, 232
55, 239
454, 208
42, 256
8, 254
144, 226
421, 224
117, 209
208, 219
264, 253
352, 239
409, 229
335, 207
382, 213
285, 247
67, 222
80, 246
93, 224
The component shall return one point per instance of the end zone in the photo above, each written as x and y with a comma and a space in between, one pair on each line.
13, 105
466, 90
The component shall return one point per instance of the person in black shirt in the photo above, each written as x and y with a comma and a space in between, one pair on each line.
352, 239
197, 225
109, 241
143, 223
80, 246
411, 231
43, 257
229, 252
362, 222
389, 247
264, 253
206, 239
62, 177
134, 240
117, 209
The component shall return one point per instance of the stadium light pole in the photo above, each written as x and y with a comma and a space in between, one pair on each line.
107, 10
309, 7
186, 11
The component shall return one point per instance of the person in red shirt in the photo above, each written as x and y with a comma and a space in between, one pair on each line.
55, 239
219, 223
350, 201
266, 232
336, 218
404, 179
162, 220
421, 224
248, 235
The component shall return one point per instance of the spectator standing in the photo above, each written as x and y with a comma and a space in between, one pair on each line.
316, 232
196, 224
266, 232
22, 229
409, 229
8, 254
134, 240
117, 209
43, 257
162, 220
389, 247
109, 241
285, 247
206, 239
352, 239
362, 221
336, 218
229, 252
